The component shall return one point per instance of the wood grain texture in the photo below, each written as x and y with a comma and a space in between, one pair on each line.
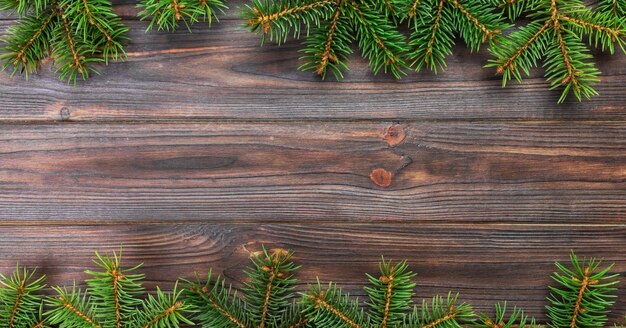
546, 172
485, 263
222, 73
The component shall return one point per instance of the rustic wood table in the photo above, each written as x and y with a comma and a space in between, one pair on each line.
202, 146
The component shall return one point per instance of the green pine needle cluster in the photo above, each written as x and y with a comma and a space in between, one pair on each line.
555, 36
434, 25
115, 299
502, 319
583, 296
331, 26
74, 34
21, 303
389, 304
268, 300
171, 14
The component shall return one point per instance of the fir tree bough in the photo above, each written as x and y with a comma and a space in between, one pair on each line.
21, 300
555, 35
75, 34
331, 26
584, 294
269, 299
170, 14
435, 23
115, 299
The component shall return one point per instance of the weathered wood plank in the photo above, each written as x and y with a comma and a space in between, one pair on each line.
358, 172
485, 263
223, 74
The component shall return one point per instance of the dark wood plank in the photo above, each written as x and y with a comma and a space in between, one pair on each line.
485, 263
218, 172
223, 74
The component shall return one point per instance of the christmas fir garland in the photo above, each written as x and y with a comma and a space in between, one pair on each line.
77, 34
115, 297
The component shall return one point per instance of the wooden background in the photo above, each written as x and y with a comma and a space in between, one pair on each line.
203, 146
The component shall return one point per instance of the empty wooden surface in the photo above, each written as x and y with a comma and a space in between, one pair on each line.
202, 147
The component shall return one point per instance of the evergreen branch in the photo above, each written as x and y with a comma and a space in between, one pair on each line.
430, 42
19, 301
331, 308
71, 309
433, 32
99, 25
435, 27
516, 319
268, 296
489, 33
390, 296
116, 290
567, 60
568, 65
584, 296
441, 314
326, 54
279, 19
170, 14
379, 41
28, 43
216, 305
70, 52
602, 30
328, 48
294, 317
164, 310
528, 47
75, 33
270, 286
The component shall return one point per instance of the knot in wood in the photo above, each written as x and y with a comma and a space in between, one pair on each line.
381, 177
394, 135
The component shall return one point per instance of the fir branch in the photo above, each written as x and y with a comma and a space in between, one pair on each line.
441, 313
555, 33
330, 307
379, 40
216, 305
171, 14
20, 303
295, 318
434, 23
278, 20
71, 309
118, 290
164, 310
75, 33
270, 286
331, 27
390, 296
516, 319
584, 294
268, 302
114, 299
28, 43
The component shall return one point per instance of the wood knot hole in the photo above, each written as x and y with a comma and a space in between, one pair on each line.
394, 135
381, 177
64, 114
